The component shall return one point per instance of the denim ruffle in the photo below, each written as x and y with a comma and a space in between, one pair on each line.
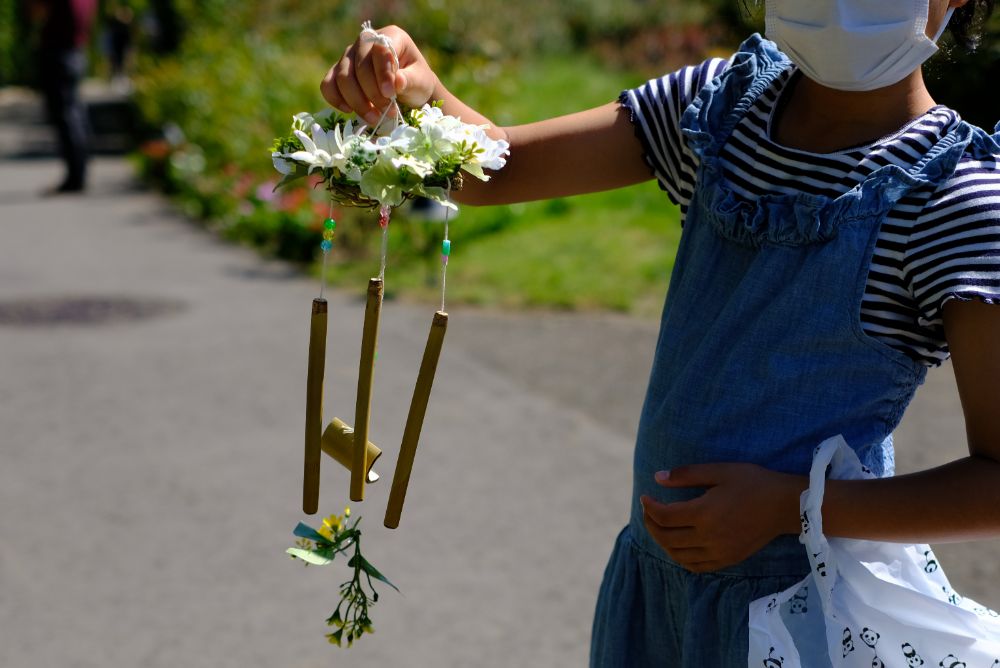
799, 219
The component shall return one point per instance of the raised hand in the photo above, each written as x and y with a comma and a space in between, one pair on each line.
367, 76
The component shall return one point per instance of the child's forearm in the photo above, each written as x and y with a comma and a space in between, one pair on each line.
585, 152
955, 502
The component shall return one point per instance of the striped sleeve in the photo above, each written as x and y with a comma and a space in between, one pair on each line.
656, 108
954, 248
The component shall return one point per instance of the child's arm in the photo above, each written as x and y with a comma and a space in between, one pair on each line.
579, 153
745, 506
954, 502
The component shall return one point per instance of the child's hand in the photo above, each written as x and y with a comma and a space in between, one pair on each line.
366, 77
743, 509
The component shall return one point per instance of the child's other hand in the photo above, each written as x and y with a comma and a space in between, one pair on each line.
744, 507
366, 77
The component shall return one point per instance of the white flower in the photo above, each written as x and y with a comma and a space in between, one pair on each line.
416, 166
302, 120
389, 167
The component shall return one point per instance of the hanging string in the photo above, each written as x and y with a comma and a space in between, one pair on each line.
329, 225
445, 249
384, 214
368, 34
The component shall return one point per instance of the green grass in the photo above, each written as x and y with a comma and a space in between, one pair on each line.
609, 251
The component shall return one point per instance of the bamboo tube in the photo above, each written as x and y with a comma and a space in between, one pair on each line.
415, 419
314, 407
338, 442
369, 341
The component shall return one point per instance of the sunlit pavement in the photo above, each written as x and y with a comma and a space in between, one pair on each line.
151, 414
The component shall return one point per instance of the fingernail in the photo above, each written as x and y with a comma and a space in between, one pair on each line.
371, 118
662, 476
387, 89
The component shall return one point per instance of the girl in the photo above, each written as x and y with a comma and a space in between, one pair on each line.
841, 235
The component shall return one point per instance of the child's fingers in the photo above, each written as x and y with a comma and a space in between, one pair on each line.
331, 93
351, 92
370, 73
384, 67
697, 475
669, 515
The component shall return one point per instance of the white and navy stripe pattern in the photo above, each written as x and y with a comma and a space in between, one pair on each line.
931, 248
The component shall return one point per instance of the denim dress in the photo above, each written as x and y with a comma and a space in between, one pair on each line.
761, 356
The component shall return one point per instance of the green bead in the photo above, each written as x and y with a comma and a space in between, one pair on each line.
446, 247
328, 235
330, 224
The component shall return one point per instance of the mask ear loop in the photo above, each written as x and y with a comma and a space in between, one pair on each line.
944, 25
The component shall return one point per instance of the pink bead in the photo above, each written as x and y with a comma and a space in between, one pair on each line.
444, 259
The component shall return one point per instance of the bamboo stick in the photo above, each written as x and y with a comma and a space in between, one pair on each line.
362, 409
338, 442
415, 419
314, 407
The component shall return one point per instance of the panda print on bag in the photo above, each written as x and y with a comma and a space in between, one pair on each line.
820, 565
931, 564
912, 658
953, 596
951, 661
771, 662
870, 638
848, 642
804, 519
798, 604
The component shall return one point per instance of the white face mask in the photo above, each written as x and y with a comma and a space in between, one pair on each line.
853, 45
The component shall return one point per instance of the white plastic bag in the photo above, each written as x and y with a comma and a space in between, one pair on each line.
867, 604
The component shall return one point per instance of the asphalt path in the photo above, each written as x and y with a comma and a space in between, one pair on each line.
150, 451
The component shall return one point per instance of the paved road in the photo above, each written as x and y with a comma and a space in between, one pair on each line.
150, 460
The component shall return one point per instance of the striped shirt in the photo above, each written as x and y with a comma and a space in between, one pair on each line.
932, 247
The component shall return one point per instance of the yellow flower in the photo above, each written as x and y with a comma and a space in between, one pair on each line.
347, 511
331, 525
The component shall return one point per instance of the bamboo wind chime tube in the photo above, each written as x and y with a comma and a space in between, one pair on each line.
314, 407
415, 419
369, 341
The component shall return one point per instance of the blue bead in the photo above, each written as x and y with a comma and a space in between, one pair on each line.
326, 246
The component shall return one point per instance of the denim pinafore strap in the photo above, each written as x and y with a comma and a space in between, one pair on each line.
761, 356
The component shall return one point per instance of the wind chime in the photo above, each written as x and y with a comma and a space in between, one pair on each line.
350, 445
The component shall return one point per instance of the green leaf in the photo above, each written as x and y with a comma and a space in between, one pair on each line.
290, 178
335, 637
369, 569
309, 556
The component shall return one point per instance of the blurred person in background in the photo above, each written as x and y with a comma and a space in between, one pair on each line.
65, 27
118, 22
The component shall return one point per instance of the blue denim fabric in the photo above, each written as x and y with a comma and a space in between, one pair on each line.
761, 356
